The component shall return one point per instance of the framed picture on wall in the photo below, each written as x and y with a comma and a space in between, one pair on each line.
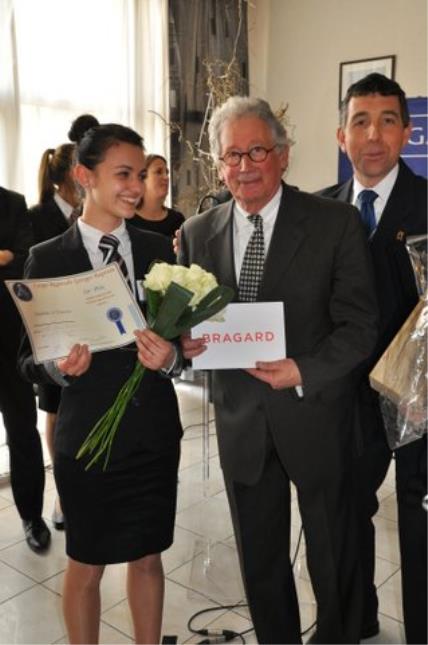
351, 71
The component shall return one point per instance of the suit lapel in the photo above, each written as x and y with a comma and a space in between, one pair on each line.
137, 254
75, 254
288, 234
345, 192
398, 206
219, 247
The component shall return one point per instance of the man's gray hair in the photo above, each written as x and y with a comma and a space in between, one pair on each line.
237, 107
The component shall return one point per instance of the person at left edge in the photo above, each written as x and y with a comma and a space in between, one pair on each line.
17, 399
125, 513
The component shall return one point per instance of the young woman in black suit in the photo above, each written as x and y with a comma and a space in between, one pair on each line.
51, 216
125, 513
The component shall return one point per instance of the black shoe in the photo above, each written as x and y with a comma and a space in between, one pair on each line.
37, 534
370, 630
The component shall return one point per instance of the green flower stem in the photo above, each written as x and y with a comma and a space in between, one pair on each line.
101, 437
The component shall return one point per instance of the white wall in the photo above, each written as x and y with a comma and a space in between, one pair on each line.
296, 47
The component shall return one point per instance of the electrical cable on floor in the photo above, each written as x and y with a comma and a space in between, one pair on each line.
196, 425
226, 635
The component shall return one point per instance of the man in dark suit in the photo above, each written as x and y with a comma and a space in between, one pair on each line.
374, 127
17, 400
291, 419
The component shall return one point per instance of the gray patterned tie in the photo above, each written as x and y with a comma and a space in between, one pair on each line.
109, 245
253, 262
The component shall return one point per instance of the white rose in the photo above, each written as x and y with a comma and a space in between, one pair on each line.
179, 275
193, 278
159, 277
200, 282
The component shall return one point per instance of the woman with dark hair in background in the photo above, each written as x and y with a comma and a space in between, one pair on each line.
151, 213
125, 513
58, 202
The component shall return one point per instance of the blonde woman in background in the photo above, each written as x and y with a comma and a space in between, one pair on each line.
152, 214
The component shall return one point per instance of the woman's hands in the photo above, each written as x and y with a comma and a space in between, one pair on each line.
154, 352
77, 362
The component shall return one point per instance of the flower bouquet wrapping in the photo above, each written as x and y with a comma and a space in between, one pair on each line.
400, 376
178, 298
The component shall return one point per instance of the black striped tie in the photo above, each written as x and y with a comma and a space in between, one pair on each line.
109, 245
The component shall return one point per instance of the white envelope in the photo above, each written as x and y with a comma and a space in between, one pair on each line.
250, 332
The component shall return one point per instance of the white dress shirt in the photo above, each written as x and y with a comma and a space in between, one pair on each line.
243, 228
91, 238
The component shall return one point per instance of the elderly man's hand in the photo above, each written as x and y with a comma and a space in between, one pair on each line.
77, 362
278, 374
192, 347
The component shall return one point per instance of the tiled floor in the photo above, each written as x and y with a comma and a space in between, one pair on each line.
201, 567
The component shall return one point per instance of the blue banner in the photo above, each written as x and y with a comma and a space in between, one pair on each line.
415, 154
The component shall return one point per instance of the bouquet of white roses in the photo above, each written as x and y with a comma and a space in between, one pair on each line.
178, 298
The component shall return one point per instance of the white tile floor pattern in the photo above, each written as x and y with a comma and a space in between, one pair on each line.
201, 567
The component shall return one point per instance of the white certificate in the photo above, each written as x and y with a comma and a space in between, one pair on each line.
249, 332
96, 308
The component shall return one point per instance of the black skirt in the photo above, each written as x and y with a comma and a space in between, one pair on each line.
120, 514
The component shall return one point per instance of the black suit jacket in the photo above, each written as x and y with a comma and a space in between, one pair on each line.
405, 214
318, 265
47, 220
15, 236
151, 420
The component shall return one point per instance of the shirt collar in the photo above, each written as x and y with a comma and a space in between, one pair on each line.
65, 208
268, 212
383, 188
91, 236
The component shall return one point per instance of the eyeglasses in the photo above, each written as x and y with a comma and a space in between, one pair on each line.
256, 154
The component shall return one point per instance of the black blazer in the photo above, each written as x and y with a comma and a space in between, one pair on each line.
47, 220
318, 265
405, 214
151, 421
15, 236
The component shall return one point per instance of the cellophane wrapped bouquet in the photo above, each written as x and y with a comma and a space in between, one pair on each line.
400, 376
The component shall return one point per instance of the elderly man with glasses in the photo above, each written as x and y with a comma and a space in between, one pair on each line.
289, 420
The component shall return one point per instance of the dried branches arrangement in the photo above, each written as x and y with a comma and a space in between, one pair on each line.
198, 176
